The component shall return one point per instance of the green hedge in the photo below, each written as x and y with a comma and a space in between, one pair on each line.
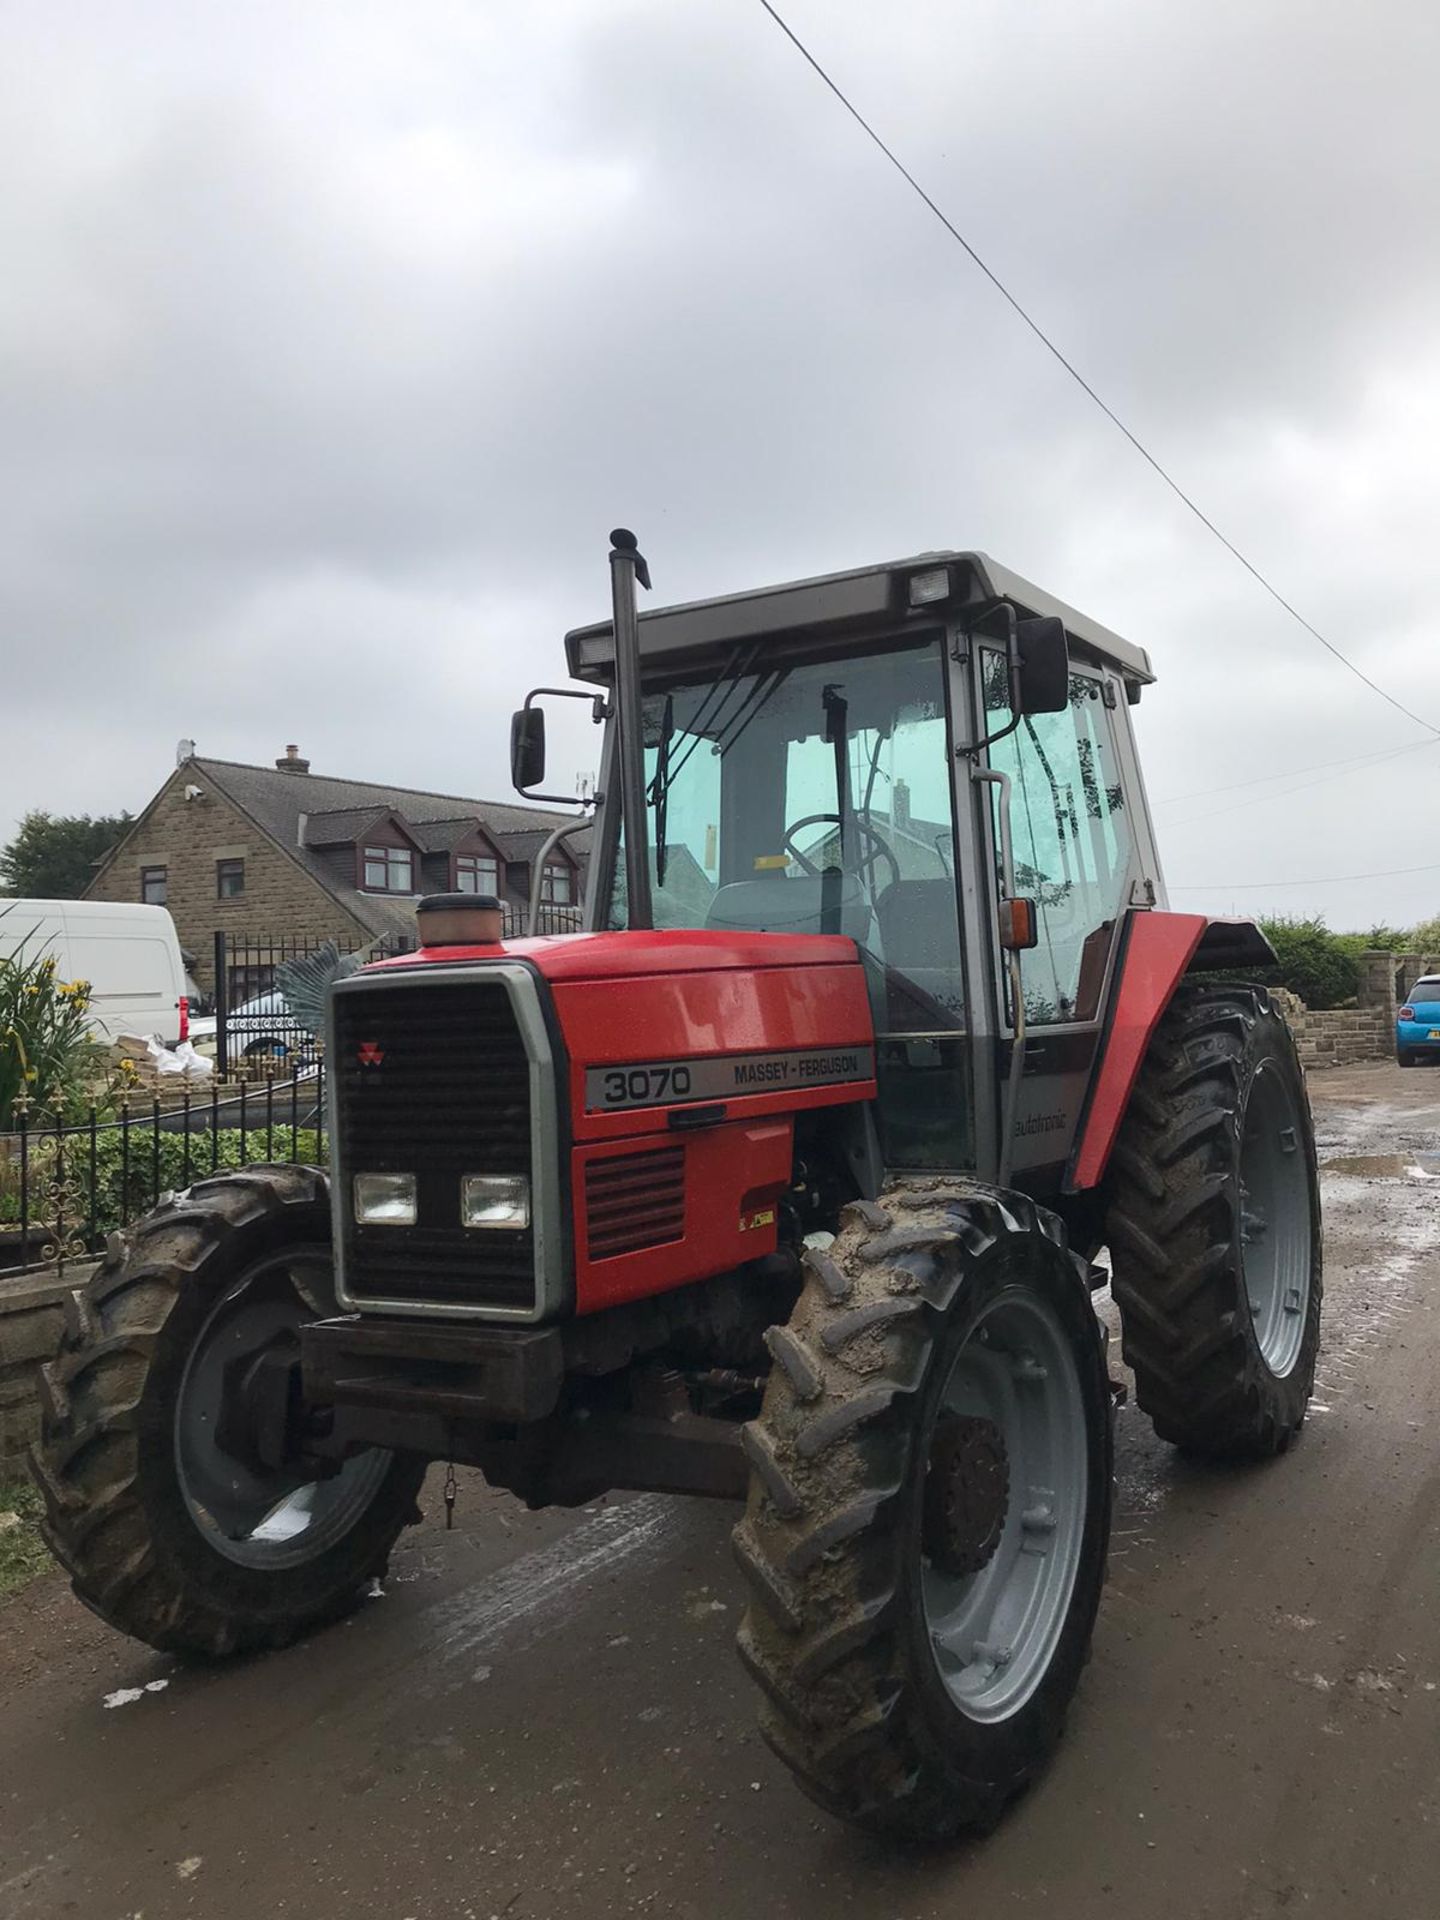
1322, 967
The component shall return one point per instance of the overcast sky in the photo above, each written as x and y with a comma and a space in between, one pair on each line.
334, 338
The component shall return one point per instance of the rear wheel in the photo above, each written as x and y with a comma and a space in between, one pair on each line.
929, 1511
176, 1520
1214, 1227
1405, 1056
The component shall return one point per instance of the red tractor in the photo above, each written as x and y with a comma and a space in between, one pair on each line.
784, 1182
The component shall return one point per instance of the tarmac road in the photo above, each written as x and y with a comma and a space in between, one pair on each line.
543, 1716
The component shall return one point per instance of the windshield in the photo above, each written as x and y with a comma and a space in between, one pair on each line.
812, 797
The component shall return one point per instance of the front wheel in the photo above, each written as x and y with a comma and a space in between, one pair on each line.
163, 1502
929, 1513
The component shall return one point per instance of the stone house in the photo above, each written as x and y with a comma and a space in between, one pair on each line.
281, 854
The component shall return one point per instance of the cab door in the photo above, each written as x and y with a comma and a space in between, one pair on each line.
1074, 837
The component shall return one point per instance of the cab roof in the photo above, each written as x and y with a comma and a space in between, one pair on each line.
866, 599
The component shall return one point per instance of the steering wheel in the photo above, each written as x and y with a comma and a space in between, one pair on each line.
878, 847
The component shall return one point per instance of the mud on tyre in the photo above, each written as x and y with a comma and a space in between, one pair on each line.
168, 1530
926, 1531
1214, 1227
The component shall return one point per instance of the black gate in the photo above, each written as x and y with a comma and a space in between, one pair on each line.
259, 1031
260, 1028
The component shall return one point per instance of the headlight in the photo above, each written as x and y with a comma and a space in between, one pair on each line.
385, 1199
494, 1200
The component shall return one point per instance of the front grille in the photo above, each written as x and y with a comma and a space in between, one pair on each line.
432, 1078
634, 1200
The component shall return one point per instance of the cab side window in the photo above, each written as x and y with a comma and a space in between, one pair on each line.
1072, 841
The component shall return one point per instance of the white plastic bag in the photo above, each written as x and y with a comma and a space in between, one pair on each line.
155, 1064
193, 1065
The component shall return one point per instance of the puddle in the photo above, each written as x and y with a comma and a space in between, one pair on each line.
1387, 1166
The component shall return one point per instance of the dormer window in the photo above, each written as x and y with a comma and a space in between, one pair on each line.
477, 873
389, 870
557, 884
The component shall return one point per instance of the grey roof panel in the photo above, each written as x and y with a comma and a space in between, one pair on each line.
861, 598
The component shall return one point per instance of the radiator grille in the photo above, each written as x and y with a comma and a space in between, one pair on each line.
433, 1079
634, 1200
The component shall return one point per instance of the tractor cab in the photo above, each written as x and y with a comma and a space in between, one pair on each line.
934, 758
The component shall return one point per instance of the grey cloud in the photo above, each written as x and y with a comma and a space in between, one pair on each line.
337, 338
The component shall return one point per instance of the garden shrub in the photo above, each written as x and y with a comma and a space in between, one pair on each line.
46, 1053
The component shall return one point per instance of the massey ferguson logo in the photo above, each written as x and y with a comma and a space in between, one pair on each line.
370, 1053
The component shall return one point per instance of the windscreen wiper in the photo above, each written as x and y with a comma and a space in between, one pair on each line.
832, 877
729, 679
760, 696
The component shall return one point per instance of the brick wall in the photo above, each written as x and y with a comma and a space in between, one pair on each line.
187, 838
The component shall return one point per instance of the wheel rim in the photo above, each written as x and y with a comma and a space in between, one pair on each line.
1275, 1219
994, 1627
267, 1518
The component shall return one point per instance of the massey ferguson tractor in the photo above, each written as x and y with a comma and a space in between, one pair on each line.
783, 1182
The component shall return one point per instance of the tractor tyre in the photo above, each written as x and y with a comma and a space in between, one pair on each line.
1214, 1227
929, 1509
172, 1529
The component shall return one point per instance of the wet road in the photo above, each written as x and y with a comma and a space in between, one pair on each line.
543, 1715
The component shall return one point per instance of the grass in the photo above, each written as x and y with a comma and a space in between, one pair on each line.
23, 1553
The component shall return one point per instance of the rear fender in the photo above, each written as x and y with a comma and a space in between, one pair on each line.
1156, 951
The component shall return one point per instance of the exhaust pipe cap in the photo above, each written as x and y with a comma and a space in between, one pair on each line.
460, 920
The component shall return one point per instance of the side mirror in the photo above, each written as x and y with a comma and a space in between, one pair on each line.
527, 748
1043, 665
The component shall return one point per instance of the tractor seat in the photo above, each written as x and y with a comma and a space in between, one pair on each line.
919, 926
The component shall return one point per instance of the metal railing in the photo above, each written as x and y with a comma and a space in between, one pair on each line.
67, 1184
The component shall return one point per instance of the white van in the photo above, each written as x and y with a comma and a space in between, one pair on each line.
127, 952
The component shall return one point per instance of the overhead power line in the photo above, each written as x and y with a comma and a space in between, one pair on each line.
1293, 773
1285, 793
1316, 880
1080, 380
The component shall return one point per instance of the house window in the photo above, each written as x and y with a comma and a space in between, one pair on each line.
476, 873
556, 885
152, 886
229, 879
389, 870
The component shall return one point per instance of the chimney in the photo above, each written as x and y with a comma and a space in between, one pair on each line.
292, 763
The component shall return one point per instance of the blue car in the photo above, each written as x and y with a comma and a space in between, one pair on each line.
1417, 1025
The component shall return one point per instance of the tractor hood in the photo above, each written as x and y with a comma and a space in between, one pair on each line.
573, 957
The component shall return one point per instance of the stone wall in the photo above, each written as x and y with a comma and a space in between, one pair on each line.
1340, 1036
32, 1322
187, 838
1410, 967
1337, 1037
